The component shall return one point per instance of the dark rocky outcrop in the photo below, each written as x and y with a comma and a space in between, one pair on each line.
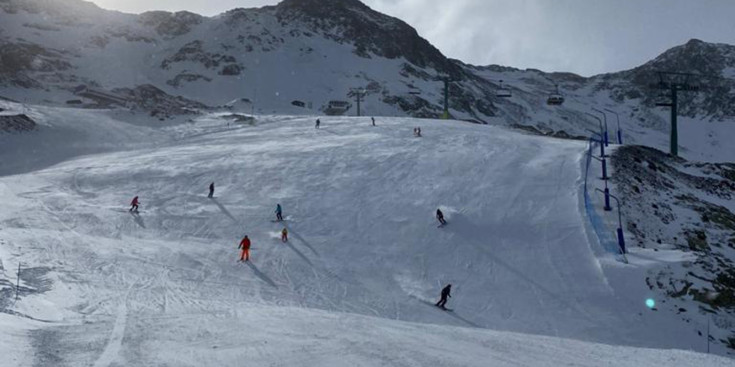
16, 123
159, 103
171, 24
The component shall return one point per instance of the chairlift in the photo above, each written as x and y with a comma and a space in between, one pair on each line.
556, 98
502, 92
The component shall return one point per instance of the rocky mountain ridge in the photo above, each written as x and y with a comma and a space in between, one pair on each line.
309, 52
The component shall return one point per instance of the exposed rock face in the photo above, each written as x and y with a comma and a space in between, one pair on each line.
186, 78
714, 65
16, 123
673, 202
158, 102
370, 31
171, 24
194, 52
18, 59
231, 69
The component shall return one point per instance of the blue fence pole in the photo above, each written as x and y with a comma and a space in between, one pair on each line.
617, 118
607, 200
621, 238
605, 137
621, 241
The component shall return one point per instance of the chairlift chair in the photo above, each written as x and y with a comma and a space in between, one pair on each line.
502, 92
555, 99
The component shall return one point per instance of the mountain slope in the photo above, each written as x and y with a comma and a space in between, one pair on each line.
359, 203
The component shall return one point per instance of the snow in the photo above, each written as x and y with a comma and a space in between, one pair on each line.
365, 261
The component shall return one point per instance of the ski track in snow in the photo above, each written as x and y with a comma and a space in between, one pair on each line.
358, 203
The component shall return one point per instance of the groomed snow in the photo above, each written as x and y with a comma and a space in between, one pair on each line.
355, 284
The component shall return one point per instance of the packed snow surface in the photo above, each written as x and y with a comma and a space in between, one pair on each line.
355, 284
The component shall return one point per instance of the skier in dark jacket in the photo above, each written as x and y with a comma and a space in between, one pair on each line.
445, 294
134, 205
279, 213
211, 190
440, 217
373, 118
318, 123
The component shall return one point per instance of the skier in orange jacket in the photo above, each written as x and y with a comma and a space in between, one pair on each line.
245, 246
284, 235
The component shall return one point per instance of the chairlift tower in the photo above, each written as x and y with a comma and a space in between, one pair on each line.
358, 93
446, 98
675, 82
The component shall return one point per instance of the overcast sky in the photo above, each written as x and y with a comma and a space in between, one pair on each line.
582, 36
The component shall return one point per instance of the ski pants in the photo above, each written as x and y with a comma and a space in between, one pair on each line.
245, 254
284, 237
134, 207
442, 302
211, 193
279, 216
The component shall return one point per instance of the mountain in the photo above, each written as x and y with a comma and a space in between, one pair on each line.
712, 64
299, 55
307, 51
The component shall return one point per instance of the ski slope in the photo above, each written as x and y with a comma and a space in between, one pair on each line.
356, 283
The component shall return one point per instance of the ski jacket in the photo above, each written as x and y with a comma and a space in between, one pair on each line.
446, 290
135, 201
439, 214
278, 209
284, 231
245, 244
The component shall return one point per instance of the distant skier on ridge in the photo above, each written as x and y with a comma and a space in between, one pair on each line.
279, 213
134, 205
245, 246
373, 118
211, 190
444, 295
440, 217
317, 123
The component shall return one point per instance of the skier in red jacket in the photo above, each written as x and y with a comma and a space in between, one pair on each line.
134, 204
245, 246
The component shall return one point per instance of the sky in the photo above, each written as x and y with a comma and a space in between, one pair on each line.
586, 37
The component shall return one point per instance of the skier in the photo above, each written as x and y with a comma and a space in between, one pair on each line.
279, 213
417, 131
440, 217
211, 190
134, 205
318, 123
373, 118
445, 294
284, 235
245, 246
